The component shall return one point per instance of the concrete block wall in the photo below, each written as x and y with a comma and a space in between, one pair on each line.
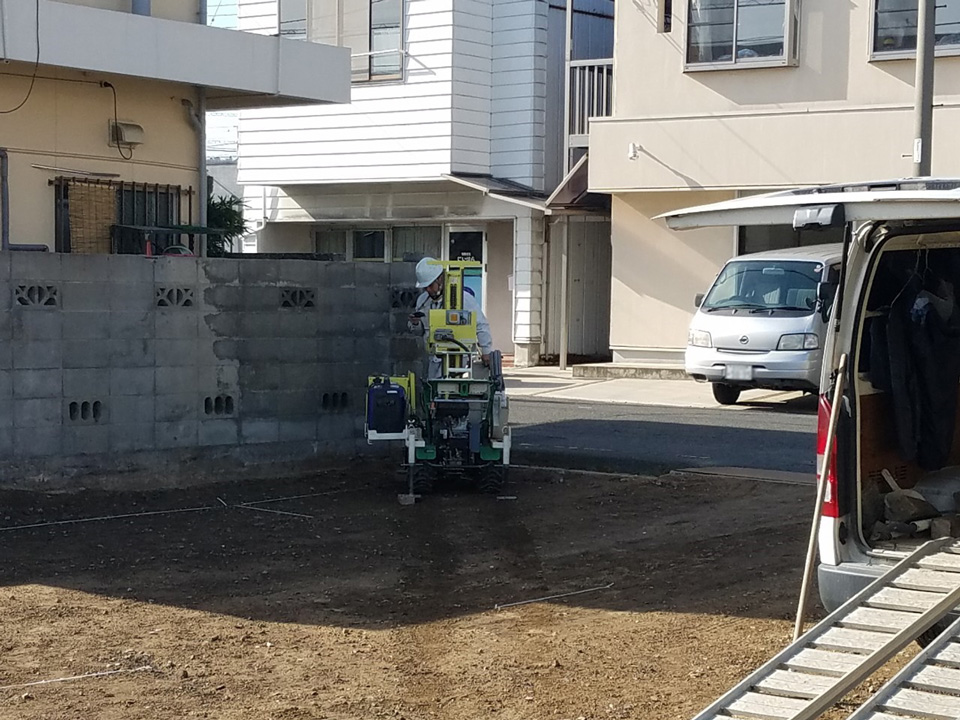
122, 370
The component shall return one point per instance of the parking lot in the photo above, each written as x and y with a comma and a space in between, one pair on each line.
231, 602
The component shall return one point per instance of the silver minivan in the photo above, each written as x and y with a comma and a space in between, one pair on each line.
761, 324
896, 317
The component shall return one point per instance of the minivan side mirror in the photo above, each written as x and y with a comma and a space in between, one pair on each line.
698, 300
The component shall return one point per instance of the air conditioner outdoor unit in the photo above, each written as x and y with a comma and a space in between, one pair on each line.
126, 133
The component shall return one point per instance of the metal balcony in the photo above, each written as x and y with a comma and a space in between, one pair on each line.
589, 95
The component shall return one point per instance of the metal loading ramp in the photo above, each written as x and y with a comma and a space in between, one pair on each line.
846, 647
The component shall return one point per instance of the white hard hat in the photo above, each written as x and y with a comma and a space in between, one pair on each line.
428, 270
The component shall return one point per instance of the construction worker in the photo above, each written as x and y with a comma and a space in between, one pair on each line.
430, 279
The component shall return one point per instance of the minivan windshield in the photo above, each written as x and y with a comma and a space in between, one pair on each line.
766, 285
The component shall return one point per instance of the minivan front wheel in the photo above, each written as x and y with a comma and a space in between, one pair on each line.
725, 394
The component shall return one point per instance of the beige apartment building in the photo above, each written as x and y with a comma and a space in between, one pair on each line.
718, 98
102, 114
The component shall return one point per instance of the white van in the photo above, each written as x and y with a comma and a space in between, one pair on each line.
761, 324
897, 317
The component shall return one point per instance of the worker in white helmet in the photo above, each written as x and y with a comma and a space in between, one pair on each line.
430, 279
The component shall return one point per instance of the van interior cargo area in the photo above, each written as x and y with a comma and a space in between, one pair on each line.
907, 384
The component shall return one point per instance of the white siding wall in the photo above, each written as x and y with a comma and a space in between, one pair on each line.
519, 92
390, 131
472, 85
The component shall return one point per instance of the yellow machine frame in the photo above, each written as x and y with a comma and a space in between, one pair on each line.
458, 326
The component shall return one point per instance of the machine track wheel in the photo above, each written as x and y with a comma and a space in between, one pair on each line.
423, 480
492, 479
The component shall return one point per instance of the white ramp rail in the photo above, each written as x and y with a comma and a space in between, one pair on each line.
846, 647
928, 687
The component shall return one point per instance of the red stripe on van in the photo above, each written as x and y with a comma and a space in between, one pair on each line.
831, 506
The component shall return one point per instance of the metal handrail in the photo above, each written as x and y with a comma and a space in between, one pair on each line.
590, 93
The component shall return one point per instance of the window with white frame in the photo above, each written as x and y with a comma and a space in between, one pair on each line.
331, 244
369, 244
733, 32
415, 242
372, 29
895, 26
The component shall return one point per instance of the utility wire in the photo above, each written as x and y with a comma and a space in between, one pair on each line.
116, 121
36, 68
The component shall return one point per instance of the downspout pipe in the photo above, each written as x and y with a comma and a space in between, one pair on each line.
5, 244
202, 141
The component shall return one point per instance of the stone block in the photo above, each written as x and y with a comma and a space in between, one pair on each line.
258, 404
337, 275
297, 350
133, 297
335, 324
176, 434
293, 430
297, 324
259, 431
89, 325
27, 325
37, 354
258, 272
6, 440
35, 266
176, 353
86, 440
375, 350
223, 297
37, 441
298, 404
302, 273
131, 325
261, 376
260, 324
221, 324
300, 376
176, 271
176, 407
218, 432
219, 271
37, 412
406, 348
377, 298
260, 297
86, 268
78, 296
131, 437
370, 323
182, 325
132, 381
133, 353
133, 269
86, 353
218, 379
176, 379
132, 410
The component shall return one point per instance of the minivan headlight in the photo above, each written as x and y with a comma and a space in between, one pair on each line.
799, 341
699, 338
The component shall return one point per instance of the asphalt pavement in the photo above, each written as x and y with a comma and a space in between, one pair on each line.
656, 426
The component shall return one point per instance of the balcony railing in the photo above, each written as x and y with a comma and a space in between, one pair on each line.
589, 94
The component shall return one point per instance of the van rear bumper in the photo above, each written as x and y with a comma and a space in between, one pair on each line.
788, 369
839, 583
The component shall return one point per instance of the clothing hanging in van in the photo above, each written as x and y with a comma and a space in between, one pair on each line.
923, 348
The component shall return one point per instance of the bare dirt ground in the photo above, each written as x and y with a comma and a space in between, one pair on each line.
355, 607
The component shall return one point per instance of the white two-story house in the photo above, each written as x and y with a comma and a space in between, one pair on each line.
101, 114
719, 98
452, 146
